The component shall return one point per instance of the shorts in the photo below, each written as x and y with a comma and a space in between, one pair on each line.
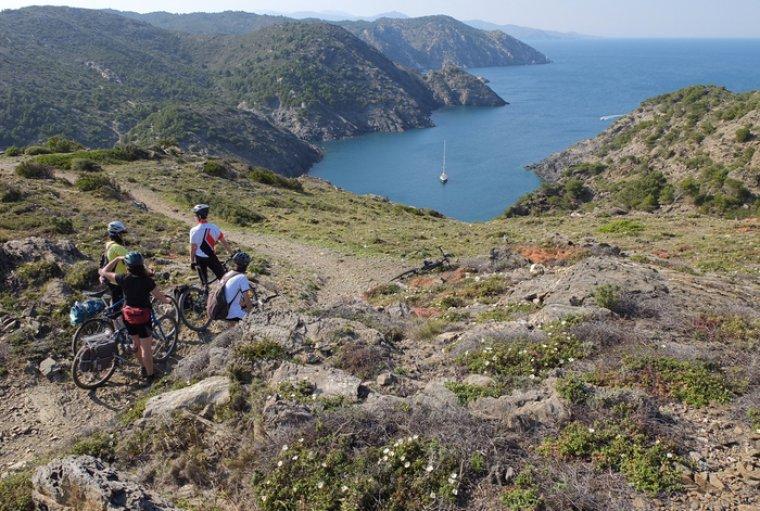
210, 263
142, 331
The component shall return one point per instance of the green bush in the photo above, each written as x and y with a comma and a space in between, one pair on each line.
215, 168
643, 192
62, 145
92, 182
263, 349
607, 296
267, 177
573, 389
11, 194
61, 225
32, 170
12, 151
85, 165
38, 272
467, 393
743, 134
622, 226
82, 275
34, 150
99, 445
16, 492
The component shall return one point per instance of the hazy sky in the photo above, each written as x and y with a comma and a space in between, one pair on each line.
621, 18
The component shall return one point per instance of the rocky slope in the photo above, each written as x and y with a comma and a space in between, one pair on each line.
578, 369
697, 148
453, 86
103, 78
431, 42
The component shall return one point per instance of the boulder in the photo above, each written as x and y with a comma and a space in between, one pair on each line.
326, 381
56, 293
212, 392
87, 484
208, 361
386, 378
51, 369
436, 396
34, 248
522, 409
497, 332
278, 413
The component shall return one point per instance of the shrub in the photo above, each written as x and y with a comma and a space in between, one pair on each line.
643, 192
92, 182
34, 150
61, 225
428, 329
16, 492
62, 145
12, 151
267, 177
361, 360
32, 170
607, 296
743, 134
11, 194
263, 349
82, 275
38, 272
99, 445
573, 389
215, 168
85, 165
384, 290
622, 226
129, 152
466, 393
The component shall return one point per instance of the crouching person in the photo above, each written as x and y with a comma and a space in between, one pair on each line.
237, 289
138, 286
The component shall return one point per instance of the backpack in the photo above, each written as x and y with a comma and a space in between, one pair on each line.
217, 305
82, 311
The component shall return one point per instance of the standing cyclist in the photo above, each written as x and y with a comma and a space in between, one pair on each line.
115, 247
203, 239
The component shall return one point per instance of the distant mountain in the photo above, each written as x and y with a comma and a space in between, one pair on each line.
217, 23
532, 34
338, 15
431, 42
102, 78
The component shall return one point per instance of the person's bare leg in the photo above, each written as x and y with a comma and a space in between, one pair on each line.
136, 349
147, 354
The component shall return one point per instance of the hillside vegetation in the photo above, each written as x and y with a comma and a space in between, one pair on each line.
697, 148
102, 78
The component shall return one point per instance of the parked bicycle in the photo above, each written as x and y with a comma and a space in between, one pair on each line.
444, 263
100, 352
110, 316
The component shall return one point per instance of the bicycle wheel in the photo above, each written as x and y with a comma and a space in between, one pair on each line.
94, 377
192, 309
90, 327
163, 309
164, 337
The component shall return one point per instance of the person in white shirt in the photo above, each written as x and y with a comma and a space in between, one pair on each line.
237, 289
203, 239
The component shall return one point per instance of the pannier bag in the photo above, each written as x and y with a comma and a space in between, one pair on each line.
99, 350
82, 311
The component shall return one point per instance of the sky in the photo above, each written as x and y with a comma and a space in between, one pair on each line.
612, 18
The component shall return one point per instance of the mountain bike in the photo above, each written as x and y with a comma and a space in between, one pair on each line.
109, 319
108, 347
193, 298
444, 263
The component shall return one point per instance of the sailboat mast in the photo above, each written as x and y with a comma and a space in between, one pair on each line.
444, 156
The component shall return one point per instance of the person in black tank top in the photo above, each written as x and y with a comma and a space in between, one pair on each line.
138, 286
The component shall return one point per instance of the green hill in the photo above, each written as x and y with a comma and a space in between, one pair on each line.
695, 148
430, 42
208, 23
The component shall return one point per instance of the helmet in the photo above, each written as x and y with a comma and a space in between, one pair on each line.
241, 259
116, 227
201, 210
134, 259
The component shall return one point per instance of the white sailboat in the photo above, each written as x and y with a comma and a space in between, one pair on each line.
444, 177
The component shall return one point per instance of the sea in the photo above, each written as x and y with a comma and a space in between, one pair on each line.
576, 96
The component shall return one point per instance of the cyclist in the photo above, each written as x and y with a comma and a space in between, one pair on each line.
137, 286
203, 239
115, 247
237, 289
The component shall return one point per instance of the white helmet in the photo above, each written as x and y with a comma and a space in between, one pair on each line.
201, 210
116, 227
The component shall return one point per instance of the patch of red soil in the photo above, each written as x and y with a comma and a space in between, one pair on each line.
426, 312
548, 255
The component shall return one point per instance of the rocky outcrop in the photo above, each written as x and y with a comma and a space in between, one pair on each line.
209, 392
325, 381
84, 483
522, 410
25, 250
454, 86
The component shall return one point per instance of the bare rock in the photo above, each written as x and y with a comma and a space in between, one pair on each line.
278, 413
436, 396
25, 250
385, 379
327, 381
499, 332
211, 391
86, 483
51, 369
556, 312
56, 293
523, 409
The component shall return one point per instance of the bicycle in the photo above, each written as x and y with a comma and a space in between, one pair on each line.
193, 298
444, 263
90, 371
104, 320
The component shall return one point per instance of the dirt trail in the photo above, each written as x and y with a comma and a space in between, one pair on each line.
339, 275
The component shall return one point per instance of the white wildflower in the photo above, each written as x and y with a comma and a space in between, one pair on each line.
455, 491
263, 498
279, 463
669, 455
453, 475
416, 437
591, 430
429, 468
284, 447
320, 484
295, 457
407, 465
432, 494
344, 488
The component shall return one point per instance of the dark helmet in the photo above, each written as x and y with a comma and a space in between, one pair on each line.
116, 228
134, 260
241, 259
201, 210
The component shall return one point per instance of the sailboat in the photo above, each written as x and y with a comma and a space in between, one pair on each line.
444, 177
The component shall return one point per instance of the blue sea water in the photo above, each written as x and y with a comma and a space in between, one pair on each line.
551, 107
